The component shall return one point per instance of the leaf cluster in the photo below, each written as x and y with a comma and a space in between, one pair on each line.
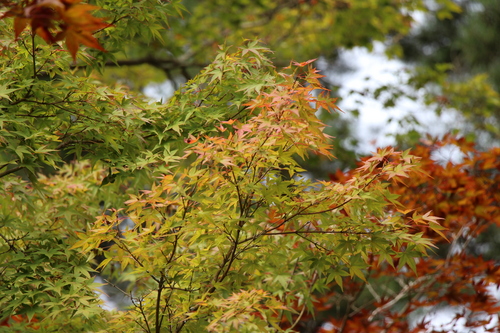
222, 230
459, 275
232, 236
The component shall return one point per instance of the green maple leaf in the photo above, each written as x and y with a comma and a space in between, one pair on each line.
5, 91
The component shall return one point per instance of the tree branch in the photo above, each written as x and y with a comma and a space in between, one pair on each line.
164, 64
8, 172
400, 295
158, 311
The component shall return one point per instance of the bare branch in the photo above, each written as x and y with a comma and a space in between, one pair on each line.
400, 295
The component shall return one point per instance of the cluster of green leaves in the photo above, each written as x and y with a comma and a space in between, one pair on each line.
232, 237
228, 236
215, 229
50, 114
41, 277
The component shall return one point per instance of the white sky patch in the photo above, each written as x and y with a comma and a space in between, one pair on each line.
108, 303
444, 320
371, 70
448, 153
160, 91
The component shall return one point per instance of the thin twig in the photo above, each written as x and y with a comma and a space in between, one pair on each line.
400, 295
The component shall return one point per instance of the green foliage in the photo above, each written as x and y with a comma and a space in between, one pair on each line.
227, 233
41, 276
180, 38
233, 236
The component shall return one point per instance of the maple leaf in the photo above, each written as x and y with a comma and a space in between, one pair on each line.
20, 23
80, 25
57, 20
5, 91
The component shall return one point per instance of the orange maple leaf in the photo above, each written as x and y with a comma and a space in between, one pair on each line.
80, 25
56, 20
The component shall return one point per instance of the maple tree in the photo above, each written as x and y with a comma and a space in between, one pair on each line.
227, 235
197, 210
222, 217
230, 220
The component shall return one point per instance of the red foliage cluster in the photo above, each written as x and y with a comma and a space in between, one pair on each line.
57, 20
32, 324
466, 195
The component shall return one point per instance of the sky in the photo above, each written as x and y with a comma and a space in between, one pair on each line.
371, 70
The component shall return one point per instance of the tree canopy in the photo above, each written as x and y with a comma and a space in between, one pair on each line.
200, 210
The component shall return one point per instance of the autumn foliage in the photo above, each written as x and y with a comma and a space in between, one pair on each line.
198, 212
456, 276
225, 232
